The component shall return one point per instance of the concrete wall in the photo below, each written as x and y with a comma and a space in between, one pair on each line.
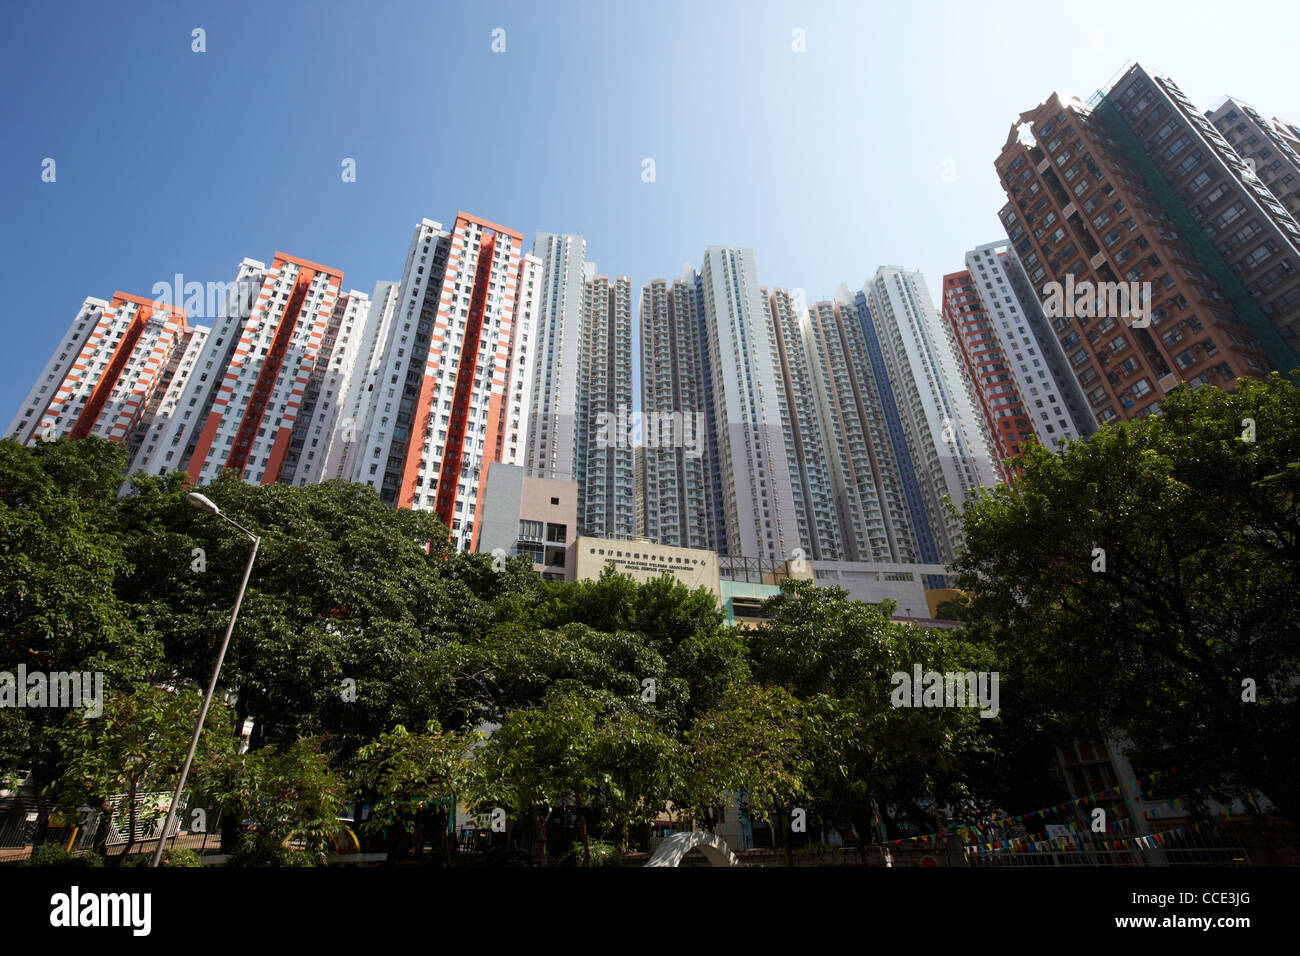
498, 525
873, 582
511, 496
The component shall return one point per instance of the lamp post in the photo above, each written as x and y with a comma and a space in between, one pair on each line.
200, 501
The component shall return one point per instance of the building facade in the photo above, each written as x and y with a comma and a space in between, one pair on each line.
534, 517
1243, 235
110, 373
604, 453
1270, 147
679, 487
755, 497
997, 396
443, 404
865, 481
815, 496
1082, 220
582, 383
1023, 390
948, 452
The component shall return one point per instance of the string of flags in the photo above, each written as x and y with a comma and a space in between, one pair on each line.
970, 835
1074, 842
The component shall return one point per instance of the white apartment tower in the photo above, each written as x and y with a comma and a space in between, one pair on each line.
110, 373
604, 455
678, 484
950, 453
1050, 393
756, 502
865, 479
442, 405
809, 465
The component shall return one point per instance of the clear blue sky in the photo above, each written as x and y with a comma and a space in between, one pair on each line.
827, 162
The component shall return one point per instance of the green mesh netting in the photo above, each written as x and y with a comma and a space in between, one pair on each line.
1275, 347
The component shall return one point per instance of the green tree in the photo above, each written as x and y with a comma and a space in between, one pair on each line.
416, 779
758, 746
287, 796
1135, 581
345, 593
138, 743
840, 657
60, 568
586, 753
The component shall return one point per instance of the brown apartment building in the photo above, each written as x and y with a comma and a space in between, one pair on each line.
1241, 224
1080, 214
1273, 145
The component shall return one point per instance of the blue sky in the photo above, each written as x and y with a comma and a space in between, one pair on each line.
828, 162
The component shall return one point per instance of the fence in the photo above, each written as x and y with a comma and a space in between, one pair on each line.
85, 829
1187, 845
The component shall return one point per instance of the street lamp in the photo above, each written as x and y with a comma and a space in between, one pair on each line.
200, 501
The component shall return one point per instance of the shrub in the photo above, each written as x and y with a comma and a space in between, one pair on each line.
509, 856
51, 854
602, 854
259, 850
177, 856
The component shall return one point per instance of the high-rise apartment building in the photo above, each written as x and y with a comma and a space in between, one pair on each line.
581, 386
998, 398
865, 482
1023, 390
269, 368
1089, 233
1270, 147
442, 404
638, 492
553, 408
756, 501
1241, 233
815, 497
1040, 367
604, 452
356, 410
110, 374
679, 485
949, 454
161, 412
323, 422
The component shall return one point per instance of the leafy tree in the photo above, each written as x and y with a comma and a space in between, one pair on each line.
578, 752
60, 566
840, 657
682, 626
416, 778
343, 595
286, 796
513, 666
758, 744
138, 743
1135, 581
